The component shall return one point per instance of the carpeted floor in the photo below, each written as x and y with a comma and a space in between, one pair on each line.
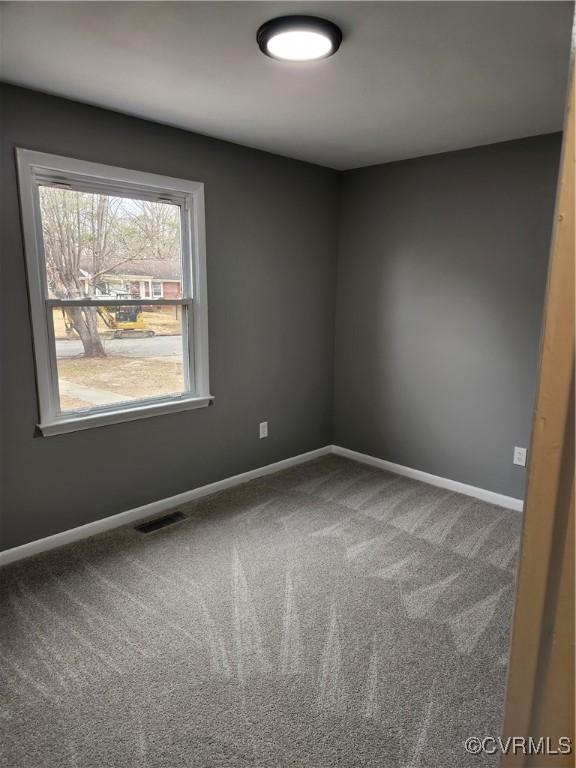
329, 615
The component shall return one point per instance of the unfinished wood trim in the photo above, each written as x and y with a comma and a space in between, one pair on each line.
540, 692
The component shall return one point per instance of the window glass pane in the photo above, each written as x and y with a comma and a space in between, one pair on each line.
98, 244
112, 355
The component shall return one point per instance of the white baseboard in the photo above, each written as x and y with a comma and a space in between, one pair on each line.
154, 508
509, 502
157, 507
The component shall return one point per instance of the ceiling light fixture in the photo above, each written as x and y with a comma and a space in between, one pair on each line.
299, 38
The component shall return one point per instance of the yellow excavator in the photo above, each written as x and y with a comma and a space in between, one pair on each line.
125, 321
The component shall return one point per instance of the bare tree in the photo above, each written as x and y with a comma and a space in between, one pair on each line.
88, 235
74, 224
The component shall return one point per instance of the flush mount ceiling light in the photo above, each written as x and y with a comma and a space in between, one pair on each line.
299, 38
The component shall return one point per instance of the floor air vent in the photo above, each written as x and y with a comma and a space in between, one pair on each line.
160, 522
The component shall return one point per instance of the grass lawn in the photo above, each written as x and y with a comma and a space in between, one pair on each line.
130, 376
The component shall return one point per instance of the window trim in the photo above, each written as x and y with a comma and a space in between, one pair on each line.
38, 166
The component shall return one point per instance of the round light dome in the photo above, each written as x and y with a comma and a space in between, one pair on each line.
299, 38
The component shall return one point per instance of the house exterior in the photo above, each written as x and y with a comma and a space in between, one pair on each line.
150, 279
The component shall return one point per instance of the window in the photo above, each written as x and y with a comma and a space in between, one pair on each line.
100, 241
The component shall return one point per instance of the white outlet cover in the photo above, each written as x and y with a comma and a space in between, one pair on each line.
263, 429
520, 456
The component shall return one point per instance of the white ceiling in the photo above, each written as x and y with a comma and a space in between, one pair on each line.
411, 78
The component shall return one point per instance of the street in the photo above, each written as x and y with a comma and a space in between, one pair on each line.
154, 346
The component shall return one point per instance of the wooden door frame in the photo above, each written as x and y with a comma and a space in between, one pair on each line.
540, 689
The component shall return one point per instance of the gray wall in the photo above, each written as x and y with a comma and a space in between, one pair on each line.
441, 279
271, 243
441, 276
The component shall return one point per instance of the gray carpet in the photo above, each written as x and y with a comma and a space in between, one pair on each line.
328, 615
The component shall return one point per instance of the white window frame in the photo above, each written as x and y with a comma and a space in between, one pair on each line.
35, 168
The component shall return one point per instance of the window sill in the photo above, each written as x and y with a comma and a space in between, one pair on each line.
89, 421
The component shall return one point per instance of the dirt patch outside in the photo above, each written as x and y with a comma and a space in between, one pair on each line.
133, 377
68, 403
166, 322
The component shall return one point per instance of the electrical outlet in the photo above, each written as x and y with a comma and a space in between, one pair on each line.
520, 456
263, 429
